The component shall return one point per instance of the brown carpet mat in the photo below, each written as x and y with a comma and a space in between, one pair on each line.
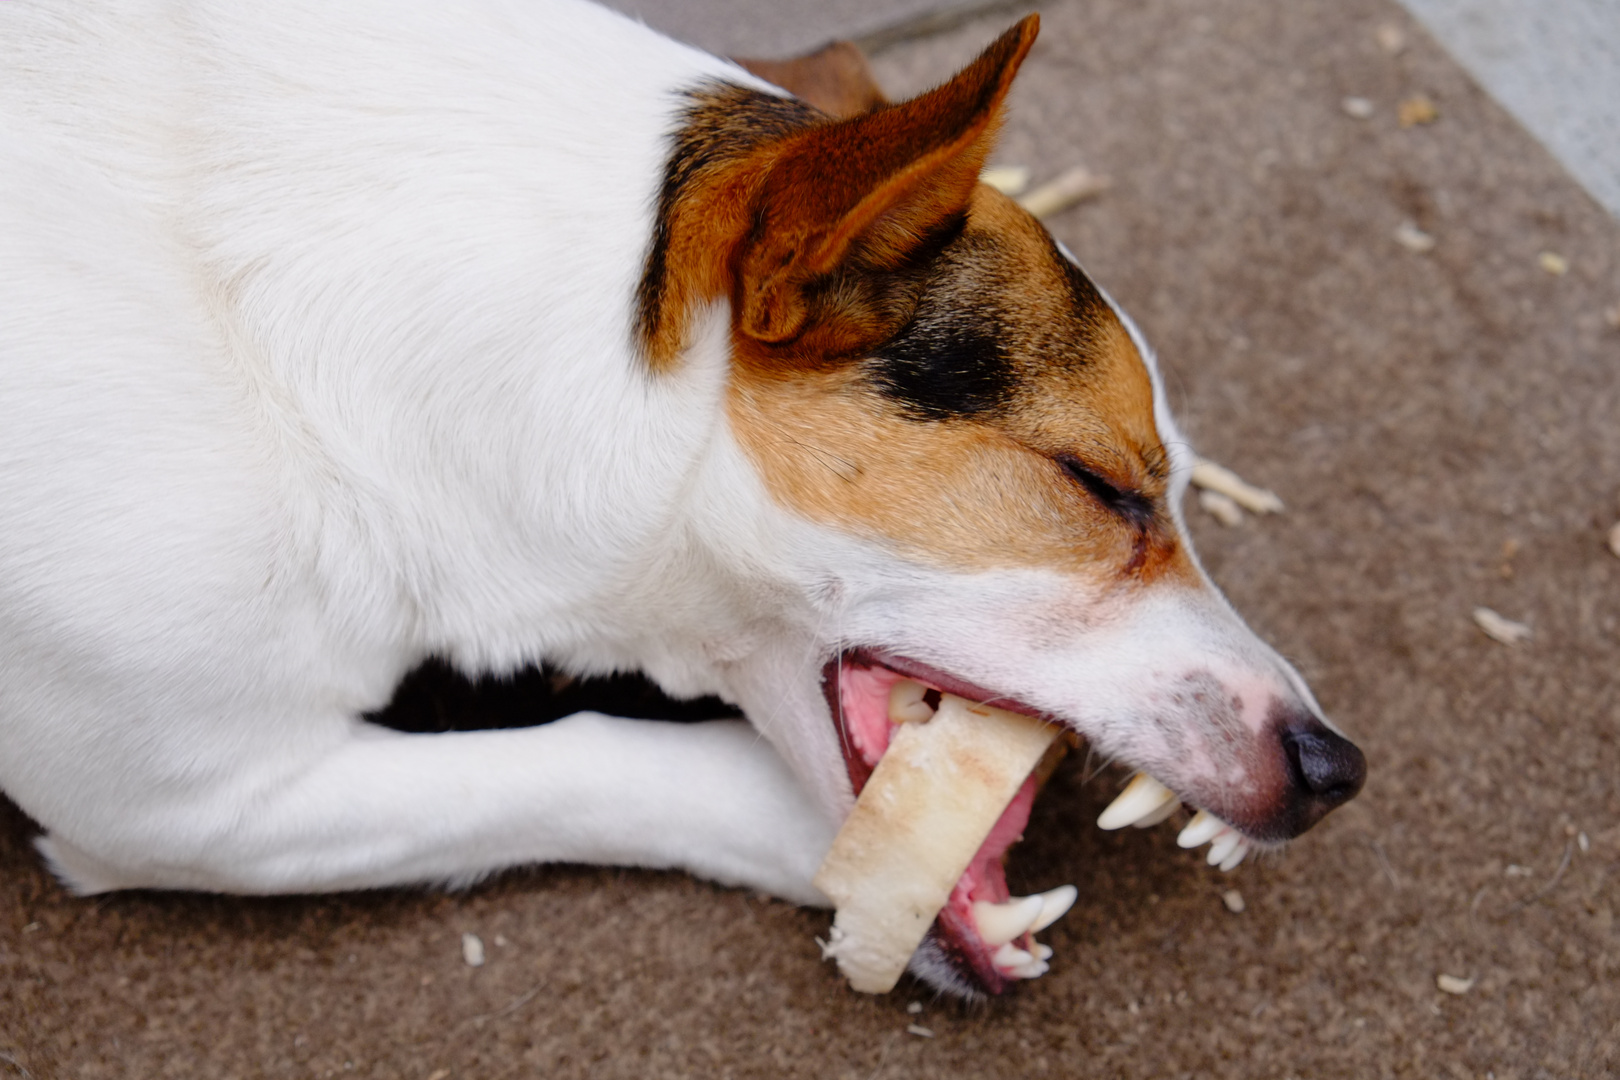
1445, 429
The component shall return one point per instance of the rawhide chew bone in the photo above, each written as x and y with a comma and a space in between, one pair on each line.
922, 816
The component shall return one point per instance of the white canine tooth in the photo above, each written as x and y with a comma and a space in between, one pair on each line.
906, 704
1011, 956
1141, 797
1224, 845
1159, 815
1054, 904
1032, 970
1238, 854
1000, 923
1201, 829
1043, 952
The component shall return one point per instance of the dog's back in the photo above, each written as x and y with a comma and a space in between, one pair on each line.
241, 242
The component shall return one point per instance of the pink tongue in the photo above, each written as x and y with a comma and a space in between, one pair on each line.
984, 878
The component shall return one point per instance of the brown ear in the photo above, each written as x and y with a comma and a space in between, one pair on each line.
835, 79
862, 194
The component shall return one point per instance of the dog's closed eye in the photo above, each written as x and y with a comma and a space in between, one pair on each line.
1132, 507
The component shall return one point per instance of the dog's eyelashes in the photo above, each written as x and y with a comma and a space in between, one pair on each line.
1133, 507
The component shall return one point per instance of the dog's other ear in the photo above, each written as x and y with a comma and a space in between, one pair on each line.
865, 193
835, 79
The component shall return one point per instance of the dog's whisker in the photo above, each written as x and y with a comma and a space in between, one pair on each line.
843, 468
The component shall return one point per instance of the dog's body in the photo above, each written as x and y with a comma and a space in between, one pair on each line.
337, 337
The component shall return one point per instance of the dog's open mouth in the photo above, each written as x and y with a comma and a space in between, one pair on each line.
983, 939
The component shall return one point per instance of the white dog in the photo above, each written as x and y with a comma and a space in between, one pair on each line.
340, 336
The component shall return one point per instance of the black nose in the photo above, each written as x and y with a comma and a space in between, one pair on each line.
1326, 765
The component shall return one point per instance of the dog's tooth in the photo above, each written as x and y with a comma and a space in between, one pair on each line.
914, 831
1142, 796
1000, 923
1159, 815
1200, 830
1224, 845
906, 704
1055, 903
1238, 854
1043, 952
1032, 970
1010, 956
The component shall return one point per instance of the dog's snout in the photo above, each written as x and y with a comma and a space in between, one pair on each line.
1314, 770
1327, 767
1323, 770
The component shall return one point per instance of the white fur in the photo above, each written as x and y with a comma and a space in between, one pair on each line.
316, 361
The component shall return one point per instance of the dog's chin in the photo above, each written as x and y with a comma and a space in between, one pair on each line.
937, 966
955, 957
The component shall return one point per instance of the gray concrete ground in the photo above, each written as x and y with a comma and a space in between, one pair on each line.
1555, 65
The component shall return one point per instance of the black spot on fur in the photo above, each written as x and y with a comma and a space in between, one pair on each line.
942, 367
952, 358
436, 698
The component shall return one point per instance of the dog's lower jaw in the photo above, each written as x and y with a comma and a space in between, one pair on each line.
933, 966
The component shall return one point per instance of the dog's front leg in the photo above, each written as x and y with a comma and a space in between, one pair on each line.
380, 808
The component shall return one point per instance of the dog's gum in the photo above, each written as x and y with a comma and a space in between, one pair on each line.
920, 819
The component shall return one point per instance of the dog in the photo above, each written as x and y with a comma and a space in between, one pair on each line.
340, 337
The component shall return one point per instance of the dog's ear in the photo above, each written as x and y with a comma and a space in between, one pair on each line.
865, 193
835, 79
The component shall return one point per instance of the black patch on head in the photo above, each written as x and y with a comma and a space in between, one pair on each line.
1090, 308
951, 359
937, 368
436, 697
723, 122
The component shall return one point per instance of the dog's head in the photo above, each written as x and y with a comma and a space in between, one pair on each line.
965, 469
